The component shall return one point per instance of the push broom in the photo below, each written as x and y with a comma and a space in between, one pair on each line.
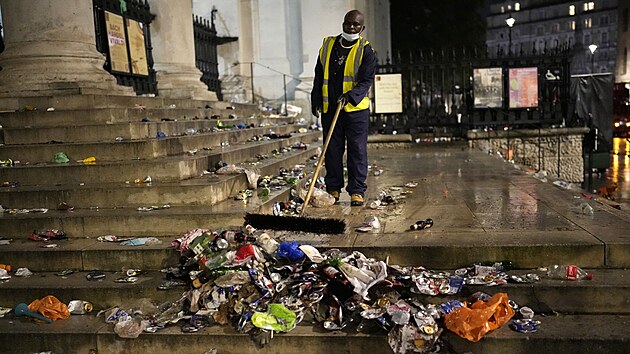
302, 222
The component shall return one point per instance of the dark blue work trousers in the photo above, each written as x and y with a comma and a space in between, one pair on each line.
351, 128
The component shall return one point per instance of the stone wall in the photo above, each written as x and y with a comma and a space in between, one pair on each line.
537, 149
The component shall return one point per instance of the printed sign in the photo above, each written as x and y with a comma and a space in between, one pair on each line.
117, 44
138, 51
488, 87
523, 87
388, 93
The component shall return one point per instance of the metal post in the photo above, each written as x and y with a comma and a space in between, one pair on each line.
251, 69
286, 107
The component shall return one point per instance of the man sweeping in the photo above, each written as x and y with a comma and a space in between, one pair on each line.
343, 75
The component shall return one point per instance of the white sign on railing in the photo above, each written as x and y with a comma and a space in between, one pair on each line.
388, 93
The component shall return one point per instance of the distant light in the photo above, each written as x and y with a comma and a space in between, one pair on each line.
616, 124
592, 48
510, 21
627, 124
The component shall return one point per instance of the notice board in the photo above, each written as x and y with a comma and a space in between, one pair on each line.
388, 93
523, 87
138, 51
488, 87
117, 43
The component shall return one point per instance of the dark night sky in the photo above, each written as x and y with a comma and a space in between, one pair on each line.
437, 23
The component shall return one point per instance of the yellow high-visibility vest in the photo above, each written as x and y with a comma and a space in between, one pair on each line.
350, 71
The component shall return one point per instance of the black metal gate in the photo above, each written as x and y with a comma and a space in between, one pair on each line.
142, 80
206, 60
438, 92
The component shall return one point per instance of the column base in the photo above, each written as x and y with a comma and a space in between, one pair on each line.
182, 83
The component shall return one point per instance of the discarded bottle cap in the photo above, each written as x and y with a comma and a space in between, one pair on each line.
526, 312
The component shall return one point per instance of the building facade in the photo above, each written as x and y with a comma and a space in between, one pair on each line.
279, 40
545, 24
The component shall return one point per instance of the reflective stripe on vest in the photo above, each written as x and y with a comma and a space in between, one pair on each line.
350, 72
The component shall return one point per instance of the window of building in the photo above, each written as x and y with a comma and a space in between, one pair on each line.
588, 23
502, 9
572, 25
509, 7
605, 38
571, 10
603, 21
589, 6
517, 7
540, 30
555, 27
587, 39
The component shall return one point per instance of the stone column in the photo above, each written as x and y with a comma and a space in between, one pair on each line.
51, 50
174, 51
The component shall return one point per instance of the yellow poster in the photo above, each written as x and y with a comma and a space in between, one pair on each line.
135, 30
116, 40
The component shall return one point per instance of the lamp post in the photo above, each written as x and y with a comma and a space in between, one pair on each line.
592, 48
510, 22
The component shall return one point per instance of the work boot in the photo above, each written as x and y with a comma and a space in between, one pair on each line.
335, 195
356, 200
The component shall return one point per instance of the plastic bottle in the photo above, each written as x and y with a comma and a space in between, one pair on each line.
502, 266
568, 272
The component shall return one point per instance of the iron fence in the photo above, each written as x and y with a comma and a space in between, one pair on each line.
206, 60
438, 91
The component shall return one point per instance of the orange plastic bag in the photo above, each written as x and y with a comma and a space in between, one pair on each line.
482, 317
50, 307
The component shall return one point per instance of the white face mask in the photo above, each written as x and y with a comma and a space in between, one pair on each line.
350, 37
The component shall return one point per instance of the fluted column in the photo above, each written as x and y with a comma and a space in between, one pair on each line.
51, 50
174, 51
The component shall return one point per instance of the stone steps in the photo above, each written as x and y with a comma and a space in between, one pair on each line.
196, 191
172, 168
607, 293
137, 149
113, 115
108, 132
96, 101
568, 334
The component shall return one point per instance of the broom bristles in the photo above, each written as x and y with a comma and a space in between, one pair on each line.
296, 223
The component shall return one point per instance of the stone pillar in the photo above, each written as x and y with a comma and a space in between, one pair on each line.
174, 51
51, 50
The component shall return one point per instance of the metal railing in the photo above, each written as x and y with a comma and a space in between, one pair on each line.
438, 90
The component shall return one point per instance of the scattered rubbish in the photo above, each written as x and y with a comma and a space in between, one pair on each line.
22, 310
567, 272
422, 224
146, 180
141, 241
112, 238
4, 311
89, 160
47, 235
23, 272
50, 109
50, 307
95, 275
6, 267
5, 241
63, 206
60, 158
562, 184
64, 273
80, 307
4, 274
119, 138
586, 209
525, 325
7, 163
481, 317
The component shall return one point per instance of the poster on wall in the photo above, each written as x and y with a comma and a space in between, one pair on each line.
117, 43
388, 93
488, 87
138, 51
523, 87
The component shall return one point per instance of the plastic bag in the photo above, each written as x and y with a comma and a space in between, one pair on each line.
277, 318
482, 317
50, 307
129, 328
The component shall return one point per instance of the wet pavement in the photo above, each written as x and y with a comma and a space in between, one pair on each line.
476, 200
618, 173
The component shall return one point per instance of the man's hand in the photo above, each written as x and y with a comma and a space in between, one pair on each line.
343, 99
315, 110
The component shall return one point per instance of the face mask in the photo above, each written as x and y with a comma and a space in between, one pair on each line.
350, 37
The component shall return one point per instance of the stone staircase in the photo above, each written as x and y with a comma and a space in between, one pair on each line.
591, 317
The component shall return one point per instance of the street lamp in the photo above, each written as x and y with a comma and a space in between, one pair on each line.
592, 48
510, 22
